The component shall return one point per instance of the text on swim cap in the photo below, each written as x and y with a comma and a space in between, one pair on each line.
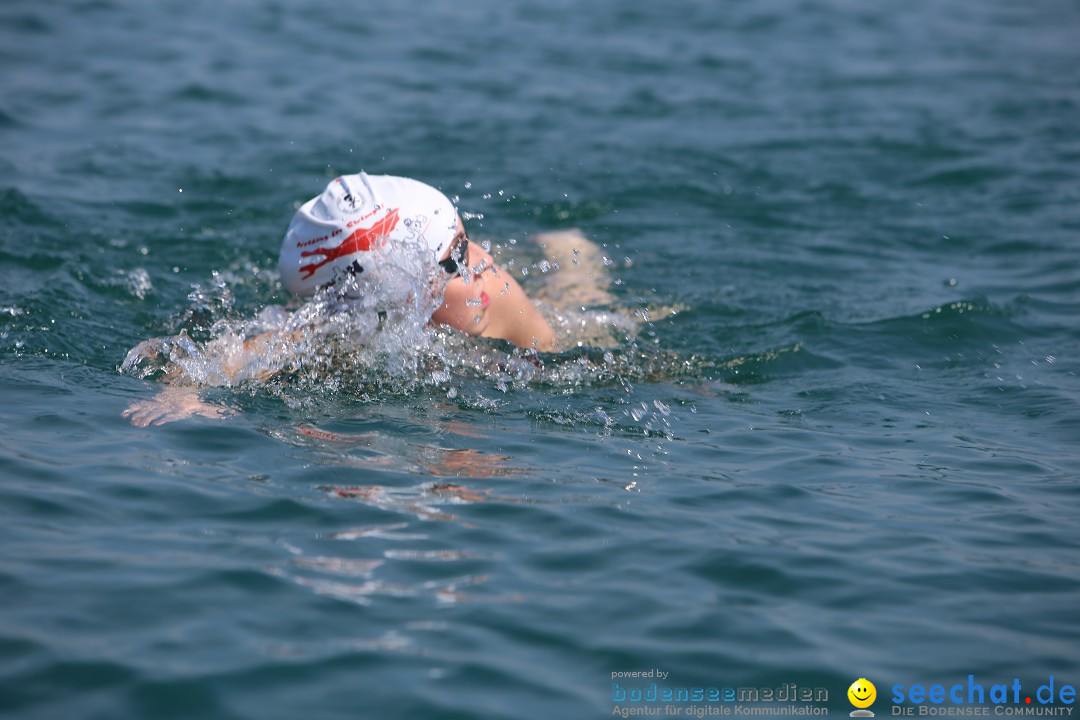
361, 240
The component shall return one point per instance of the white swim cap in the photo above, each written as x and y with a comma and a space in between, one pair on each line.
338, 233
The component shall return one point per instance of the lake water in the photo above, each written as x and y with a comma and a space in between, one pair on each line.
850, 453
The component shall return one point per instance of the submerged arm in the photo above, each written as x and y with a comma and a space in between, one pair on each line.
175, 402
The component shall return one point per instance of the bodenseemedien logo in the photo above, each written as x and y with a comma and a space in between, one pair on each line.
862, 694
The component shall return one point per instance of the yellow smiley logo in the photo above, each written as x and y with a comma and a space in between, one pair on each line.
862, 693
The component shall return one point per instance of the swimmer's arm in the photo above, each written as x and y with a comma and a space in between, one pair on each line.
180, 400
515, 317
224, 353
254, 349
520, 322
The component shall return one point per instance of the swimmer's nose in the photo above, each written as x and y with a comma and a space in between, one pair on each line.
478, 272
480, 268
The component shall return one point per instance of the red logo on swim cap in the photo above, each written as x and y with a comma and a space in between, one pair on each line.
361, 240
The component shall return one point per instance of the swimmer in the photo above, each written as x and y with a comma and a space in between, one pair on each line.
341, 234
385, 244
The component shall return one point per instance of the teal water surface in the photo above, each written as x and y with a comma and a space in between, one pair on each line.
851, 451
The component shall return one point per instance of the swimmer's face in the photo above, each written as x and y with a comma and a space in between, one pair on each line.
466, 300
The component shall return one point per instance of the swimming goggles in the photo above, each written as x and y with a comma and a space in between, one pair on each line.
456, 261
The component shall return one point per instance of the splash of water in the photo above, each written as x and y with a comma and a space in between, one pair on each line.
368, 338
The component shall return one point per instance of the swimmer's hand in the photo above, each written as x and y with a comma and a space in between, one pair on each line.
172, 404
